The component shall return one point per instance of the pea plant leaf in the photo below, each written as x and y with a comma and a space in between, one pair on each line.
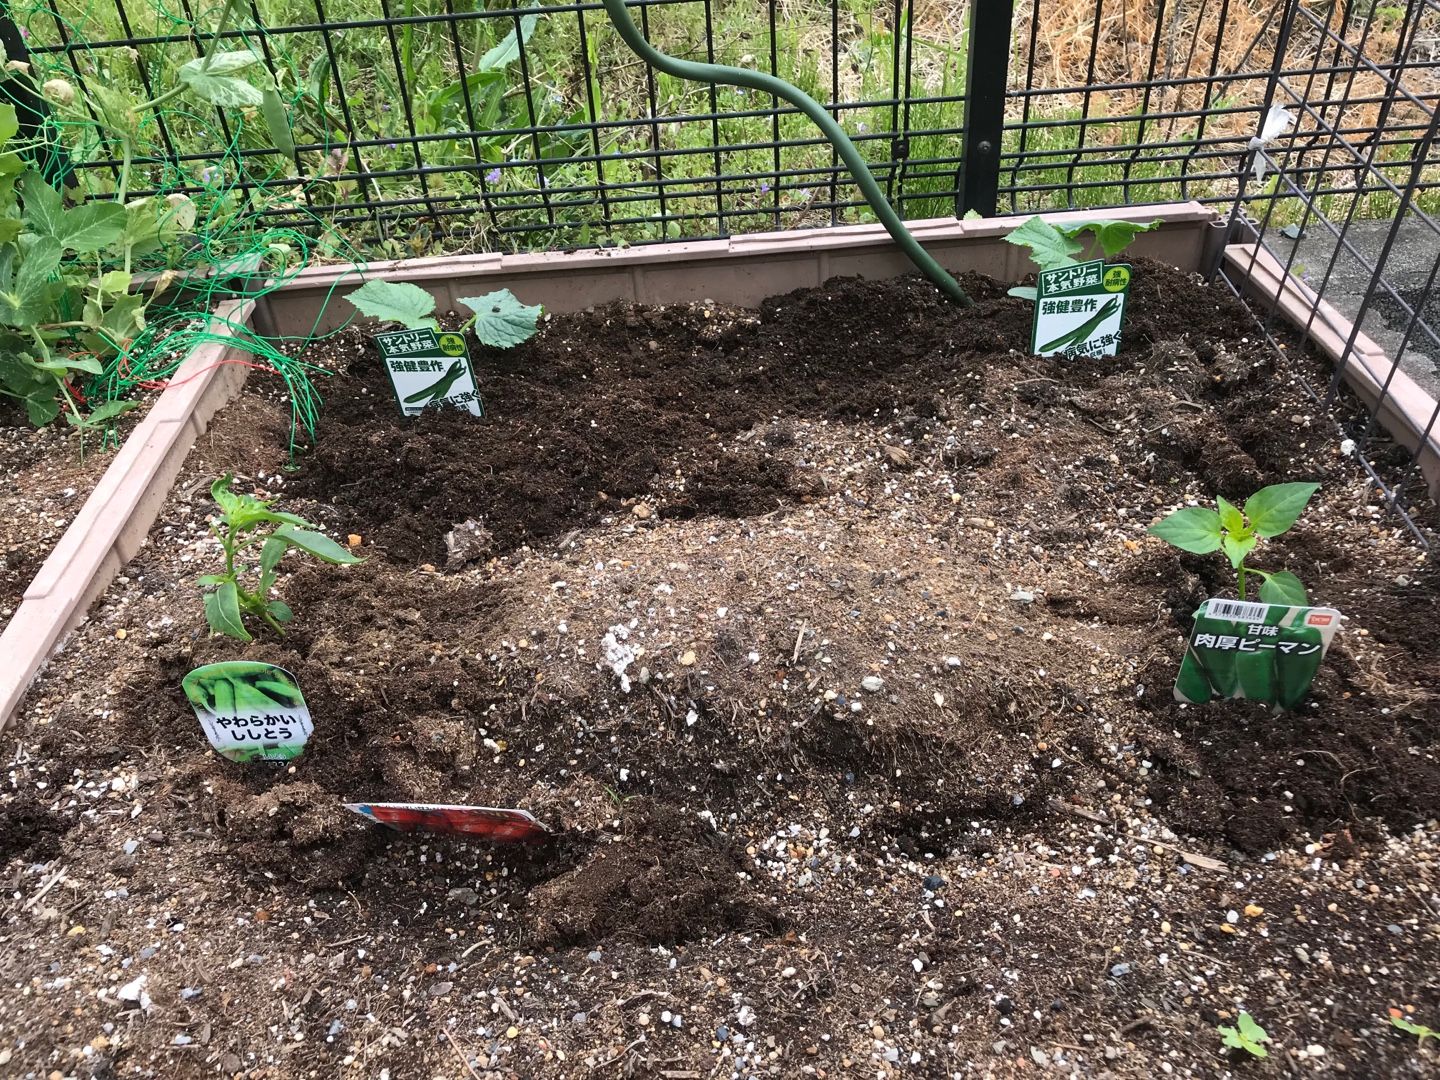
213, 79
43, 207
1274, 509
41, 406
91, 227
1193, 528
501, 320
396, 301
1049, 247
85, 229
26, 296
1283, 588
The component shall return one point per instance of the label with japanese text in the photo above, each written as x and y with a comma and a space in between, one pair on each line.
250, 711
1260, 652
1079, 309
429, 370
502, 825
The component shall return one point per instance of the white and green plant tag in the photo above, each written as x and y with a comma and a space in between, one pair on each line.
1079, 309
1260, 652
250, 711
429, 369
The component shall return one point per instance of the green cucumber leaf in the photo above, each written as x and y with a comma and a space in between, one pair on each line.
1049, 247
501, 320
1114, 236
396, 301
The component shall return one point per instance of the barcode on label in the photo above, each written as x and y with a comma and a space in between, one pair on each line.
1237, 610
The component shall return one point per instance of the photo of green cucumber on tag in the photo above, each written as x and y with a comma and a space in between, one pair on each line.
429, 369
1079, 309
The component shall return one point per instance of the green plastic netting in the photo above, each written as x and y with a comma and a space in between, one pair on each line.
87, 128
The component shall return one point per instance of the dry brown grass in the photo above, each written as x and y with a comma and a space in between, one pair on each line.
1135, 41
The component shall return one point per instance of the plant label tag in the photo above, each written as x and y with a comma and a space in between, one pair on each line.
498, 824
250, 711
429, 370
1079, 309
1260, 652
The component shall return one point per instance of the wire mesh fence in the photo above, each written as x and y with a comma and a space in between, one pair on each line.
429, 125
358, 129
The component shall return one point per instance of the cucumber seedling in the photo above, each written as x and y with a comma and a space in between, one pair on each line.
1269, 512
1053, 246
500, 320
242, 526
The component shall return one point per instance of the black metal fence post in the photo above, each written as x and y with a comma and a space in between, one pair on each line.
31, 111
986, 75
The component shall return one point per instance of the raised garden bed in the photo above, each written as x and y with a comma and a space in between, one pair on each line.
1018, 852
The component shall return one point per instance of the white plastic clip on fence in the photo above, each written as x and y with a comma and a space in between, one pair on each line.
1278, 121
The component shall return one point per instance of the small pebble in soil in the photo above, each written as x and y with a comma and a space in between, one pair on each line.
872, 684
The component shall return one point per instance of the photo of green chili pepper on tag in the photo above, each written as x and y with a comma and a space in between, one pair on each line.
250, 711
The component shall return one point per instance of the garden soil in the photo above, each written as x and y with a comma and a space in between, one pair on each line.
827, 640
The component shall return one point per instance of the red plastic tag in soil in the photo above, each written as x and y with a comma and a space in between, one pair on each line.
501, 825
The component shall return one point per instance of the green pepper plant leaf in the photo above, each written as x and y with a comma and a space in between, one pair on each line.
1268, 513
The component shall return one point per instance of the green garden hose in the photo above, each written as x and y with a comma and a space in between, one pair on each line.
769, 84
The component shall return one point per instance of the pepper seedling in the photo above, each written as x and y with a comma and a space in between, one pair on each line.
1268, 513
1053, 246
1401, 1022
227, 601
1248, 1035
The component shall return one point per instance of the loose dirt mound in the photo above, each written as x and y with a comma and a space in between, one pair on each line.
829, 641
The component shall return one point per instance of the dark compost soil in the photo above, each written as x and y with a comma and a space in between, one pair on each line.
1019, 855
